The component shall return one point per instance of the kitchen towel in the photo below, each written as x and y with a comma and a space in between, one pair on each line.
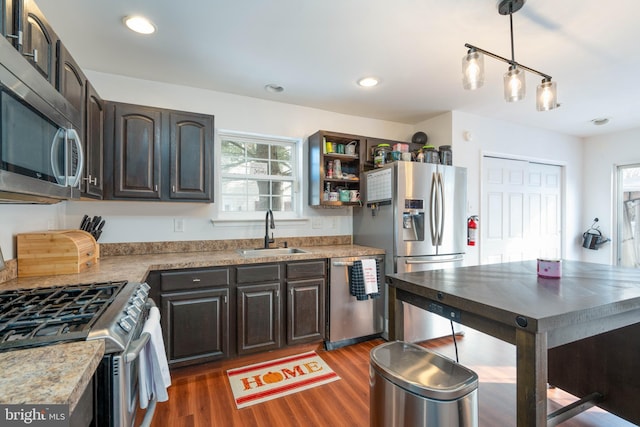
364, 279
153, 369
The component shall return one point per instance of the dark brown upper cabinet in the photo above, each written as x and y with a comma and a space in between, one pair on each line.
190, 151
133, 154
71, 80
93, 143
156, 154
39, 41
10, 21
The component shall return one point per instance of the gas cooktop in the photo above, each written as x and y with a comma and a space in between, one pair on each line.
42, 316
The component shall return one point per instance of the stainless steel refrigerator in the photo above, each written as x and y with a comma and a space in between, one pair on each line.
417, 213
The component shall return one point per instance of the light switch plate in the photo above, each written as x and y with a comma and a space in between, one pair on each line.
178, 225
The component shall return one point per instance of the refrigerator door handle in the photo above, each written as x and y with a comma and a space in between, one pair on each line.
433, 226
434, 261
441, 206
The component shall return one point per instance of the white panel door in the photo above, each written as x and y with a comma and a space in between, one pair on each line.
520, 212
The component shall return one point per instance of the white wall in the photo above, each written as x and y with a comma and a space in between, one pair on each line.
602, 154
488, 136
17, 219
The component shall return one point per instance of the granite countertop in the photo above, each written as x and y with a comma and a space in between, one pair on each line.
135, 268
60, 373
55, 374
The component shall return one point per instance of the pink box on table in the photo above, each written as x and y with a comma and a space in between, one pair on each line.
550, 268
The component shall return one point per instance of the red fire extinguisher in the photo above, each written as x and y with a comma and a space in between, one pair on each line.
472, 230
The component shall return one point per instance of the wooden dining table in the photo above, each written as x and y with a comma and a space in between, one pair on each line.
579, 332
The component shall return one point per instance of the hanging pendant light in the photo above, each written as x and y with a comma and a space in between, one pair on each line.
473, 70
514, 78
546, 96
514, 84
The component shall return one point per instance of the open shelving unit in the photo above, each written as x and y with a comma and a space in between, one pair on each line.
319, 158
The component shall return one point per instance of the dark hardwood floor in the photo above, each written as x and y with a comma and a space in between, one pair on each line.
200, 395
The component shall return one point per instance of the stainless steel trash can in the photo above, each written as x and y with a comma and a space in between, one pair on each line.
411, 386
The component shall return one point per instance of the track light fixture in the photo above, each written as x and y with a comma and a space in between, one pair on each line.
514, 81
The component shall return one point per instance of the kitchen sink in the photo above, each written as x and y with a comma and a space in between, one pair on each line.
271, 251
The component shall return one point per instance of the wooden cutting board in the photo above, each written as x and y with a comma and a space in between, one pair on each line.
56, 252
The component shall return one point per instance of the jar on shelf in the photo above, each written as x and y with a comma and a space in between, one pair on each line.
330, 169
430, 154
337, 169
381, 154
446, 155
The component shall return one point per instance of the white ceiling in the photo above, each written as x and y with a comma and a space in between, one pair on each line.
318, 49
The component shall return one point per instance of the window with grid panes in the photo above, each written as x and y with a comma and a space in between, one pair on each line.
257, 173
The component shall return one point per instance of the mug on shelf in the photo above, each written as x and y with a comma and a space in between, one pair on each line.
329, 147
345, 195
333, 196
354, 195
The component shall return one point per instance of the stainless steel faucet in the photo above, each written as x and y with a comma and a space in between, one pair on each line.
268, 240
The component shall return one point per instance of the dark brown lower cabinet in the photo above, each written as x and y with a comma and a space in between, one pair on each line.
221, 312
305, 311
258, 317
196, 324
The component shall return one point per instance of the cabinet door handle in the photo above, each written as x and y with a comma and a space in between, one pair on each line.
278, 294
33, 55
173, 188
155, 188
91, 181
196, 280
224, 299
16, 37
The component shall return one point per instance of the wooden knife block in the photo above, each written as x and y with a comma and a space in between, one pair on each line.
56, 252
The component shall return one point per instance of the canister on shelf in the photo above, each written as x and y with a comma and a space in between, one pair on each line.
337, 169
430, 154
330, 169
328, 147
381, 155
446, 155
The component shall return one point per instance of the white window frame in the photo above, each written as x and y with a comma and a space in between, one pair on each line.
296, 174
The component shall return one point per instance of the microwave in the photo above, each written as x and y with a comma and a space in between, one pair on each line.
41, 156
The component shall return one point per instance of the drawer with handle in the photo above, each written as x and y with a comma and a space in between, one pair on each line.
194, 279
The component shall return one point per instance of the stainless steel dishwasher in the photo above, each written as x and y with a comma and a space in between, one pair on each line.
350, 320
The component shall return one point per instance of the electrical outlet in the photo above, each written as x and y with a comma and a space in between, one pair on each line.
178, 225
330, 222
316, 223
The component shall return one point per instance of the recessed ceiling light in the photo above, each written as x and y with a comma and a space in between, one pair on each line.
600, 121
139, 24
274, 88
368, 82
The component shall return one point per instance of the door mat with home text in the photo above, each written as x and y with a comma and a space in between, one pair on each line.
279, 377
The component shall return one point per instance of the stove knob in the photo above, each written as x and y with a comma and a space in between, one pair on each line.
145, 287
126, 324
133, 311
138, 302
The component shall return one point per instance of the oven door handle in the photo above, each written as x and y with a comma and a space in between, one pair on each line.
148, 416
136, 347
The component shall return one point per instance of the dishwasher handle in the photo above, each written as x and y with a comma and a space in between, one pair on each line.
342, 263
349, 263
